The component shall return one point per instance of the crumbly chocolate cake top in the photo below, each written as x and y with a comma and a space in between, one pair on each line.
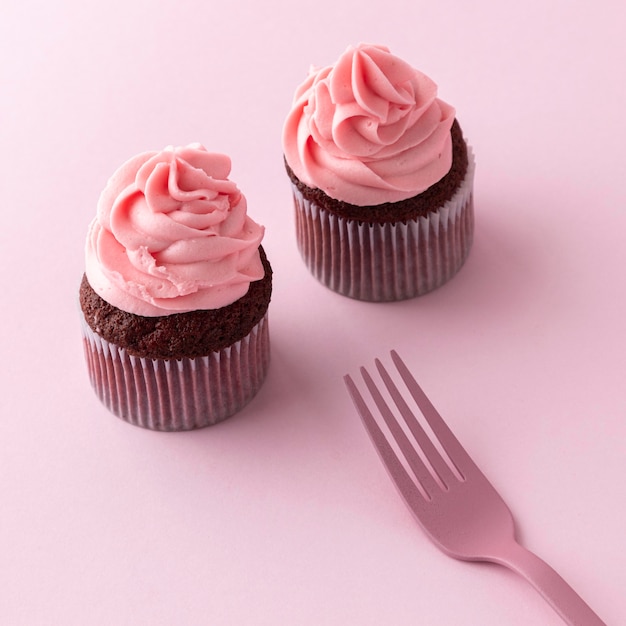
411, 208
192, 334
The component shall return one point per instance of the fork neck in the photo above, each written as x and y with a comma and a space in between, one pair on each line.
558, 593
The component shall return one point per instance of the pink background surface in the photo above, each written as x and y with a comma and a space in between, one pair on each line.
284, 514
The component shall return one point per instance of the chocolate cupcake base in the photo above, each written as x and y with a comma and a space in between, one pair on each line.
389, 260
177, 394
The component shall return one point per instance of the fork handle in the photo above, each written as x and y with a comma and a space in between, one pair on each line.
567, 603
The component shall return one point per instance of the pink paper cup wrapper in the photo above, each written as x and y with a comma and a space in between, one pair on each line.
177, 394
391, 261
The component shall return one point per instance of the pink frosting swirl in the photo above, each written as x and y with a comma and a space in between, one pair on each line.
172, 235
369, 129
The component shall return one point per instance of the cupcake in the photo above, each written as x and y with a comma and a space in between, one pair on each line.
175, 293
382, 178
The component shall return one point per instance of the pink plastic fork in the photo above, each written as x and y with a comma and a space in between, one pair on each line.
455, 504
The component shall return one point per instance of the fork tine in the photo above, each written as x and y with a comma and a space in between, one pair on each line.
455, 451
422, 473
438, 464
403, 481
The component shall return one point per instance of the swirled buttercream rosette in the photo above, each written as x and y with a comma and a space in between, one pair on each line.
175, 293
172, 235
382, 191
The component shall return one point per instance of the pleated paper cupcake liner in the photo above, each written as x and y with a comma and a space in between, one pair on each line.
390, 261
177, 394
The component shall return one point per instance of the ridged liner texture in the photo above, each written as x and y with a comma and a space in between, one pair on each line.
388, 261
177, 394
